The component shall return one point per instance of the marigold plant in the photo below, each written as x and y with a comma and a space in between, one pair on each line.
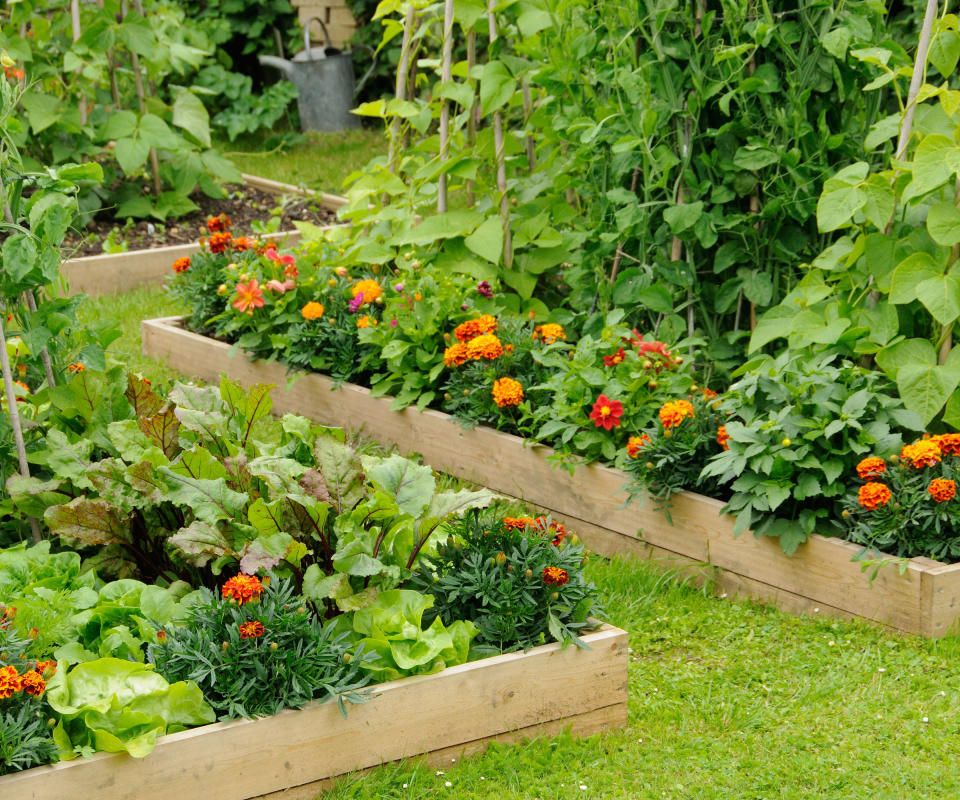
471, 329
549, 333
507, 393
312, 310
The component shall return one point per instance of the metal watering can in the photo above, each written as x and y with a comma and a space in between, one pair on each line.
325, 83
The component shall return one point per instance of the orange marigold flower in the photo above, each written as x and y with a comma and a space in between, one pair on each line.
242, 243
218, 242
243, 588
77, 366
366, 322
249, 297
606, 412
455, 355
46, 668
544, 525
873, 495
942, 489
218, 223
33, 683
312, 310
251, 630
507, 392
723, 437
555, 576
181, 264
674, 412
925, 453
485, 346
636, 443
709, 394
418, 297
370, 288
871, 467
549, 333
473, 328
517, 523
10, 682
949, 443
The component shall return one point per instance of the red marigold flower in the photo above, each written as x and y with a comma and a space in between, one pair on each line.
7, 616
674, 412
33, 683
873, 495
249, 297
606, 412
616, 358
251, 630
925, 453
473, 328
10, 682
942, 490
181, 264
723, 437
871, 467
218, 223
555, 576
218, 242
243, 588
635, 444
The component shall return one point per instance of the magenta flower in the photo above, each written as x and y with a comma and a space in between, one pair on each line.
484, 289
355, 304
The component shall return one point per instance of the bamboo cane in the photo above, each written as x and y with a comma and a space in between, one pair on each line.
498, 143
446, 75
75, 26
401, 88
919, 74
527, 112
472, 117
138, 82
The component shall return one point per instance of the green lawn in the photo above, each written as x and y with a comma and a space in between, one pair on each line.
728, 699
322, 162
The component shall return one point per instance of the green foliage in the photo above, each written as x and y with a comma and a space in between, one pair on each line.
25, 738
236, 108
393, 643
117, 706
293, 661
492, 574
797, 424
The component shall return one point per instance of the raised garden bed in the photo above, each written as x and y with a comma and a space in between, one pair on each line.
295, 754
916, 595
117, 272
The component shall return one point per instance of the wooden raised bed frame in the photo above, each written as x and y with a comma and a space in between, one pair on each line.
296, 754
120, 272
916, 596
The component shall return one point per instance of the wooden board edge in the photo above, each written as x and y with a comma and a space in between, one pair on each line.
589, 723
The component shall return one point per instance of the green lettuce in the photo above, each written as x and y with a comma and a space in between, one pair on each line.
115, 706
394, 644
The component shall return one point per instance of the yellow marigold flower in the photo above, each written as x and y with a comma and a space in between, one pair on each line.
675, 412
925, 453
370, 288
871, 467
485, 346
507, 392
549, 333
873, 495
473, 328
312, 310
455, 355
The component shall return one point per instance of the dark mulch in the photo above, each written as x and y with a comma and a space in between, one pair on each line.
243, 205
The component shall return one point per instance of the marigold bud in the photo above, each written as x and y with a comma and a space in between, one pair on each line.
845, 514
554, 595
694, 388
509, 567
649, 465
447, 396
233, 266
333, 281
785, 442
224, 645
667, 433
347, 658
446, 337
678, 360
528, 573
375, 268
301, 610
501, 558
653, 384
466, 392
647, 364
222, 289
273, 645
51, 723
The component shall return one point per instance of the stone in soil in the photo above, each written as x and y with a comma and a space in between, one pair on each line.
243, 205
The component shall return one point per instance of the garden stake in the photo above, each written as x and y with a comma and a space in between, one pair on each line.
15, 420
75, 25
472, 116
112, 69
916, 81
501, 158
446, 76
138, 82
44, 353
527, 113
401, 89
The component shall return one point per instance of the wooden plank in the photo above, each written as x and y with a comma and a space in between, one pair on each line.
941, 600
821, 573
457, 707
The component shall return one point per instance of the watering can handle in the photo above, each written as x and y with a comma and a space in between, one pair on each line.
306, 35
369, 72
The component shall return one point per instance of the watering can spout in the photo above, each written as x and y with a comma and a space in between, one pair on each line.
286, 67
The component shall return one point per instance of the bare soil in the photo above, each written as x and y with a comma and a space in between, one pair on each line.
243, 205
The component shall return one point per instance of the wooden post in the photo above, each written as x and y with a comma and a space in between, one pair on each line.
499, 145
446, 75
472, 118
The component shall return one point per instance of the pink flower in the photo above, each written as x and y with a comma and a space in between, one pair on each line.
249, 297
355, 304
484, 289
282, 288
